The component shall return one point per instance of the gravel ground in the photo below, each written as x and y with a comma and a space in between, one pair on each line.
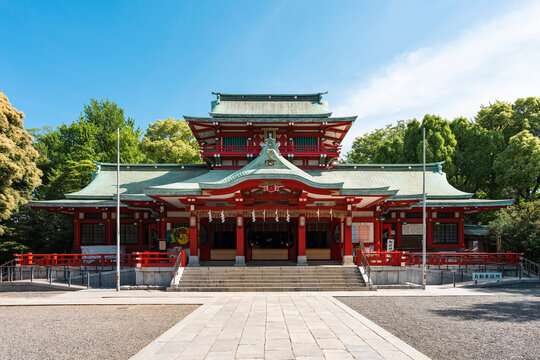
503, 327
83, 332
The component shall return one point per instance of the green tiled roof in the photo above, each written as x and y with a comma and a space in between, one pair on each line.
139, 182
272, 119
269, 104
68, 203
467, 203
271, 165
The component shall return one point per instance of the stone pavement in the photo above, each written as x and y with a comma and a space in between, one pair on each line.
276, 326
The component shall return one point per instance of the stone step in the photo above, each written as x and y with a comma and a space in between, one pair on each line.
273, 278
267, 289
243, 283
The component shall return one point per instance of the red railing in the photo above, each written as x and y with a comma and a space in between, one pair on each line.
136, 259
155, 259
72, 259
402, 258
465, 258
386, 258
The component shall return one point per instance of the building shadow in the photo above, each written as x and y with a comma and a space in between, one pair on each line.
501, 311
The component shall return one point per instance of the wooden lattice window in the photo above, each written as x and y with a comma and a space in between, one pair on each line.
92, 234
234, 143
445, 234
305, 143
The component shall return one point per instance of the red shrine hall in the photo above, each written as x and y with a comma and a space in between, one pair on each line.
270, 189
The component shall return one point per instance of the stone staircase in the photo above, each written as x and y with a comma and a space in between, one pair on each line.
270, 278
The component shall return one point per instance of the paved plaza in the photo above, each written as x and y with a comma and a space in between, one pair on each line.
299, 325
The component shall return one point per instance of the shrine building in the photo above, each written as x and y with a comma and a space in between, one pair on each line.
271, 188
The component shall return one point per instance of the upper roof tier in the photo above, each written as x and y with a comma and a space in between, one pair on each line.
269, 105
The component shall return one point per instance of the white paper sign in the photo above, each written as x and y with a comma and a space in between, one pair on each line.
390, 245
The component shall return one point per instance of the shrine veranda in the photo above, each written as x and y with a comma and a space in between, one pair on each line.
271, 189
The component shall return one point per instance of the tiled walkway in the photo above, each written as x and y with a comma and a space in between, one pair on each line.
285, 326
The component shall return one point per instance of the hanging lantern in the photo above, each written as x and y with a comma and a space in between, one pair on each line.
288, 216
222, 216
253, 217
209, 216
277, 216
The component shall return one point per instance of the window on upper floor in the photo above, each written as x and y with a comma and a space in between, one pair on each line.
305, 143
234, 143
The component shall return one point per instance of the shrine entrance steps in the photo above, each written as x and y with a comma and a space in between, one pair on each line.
271, 278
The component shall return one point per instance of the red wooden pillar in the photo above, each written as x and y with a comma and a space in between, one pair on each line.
76, 233
461, 231
240, 242
302, 258
347, 242
429, 230
193, 243
108, 229
377, 234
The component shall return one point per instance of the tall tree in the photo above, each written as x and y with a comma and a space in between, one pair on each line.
518, 166
526, 112
170, 141
499, 117
474, 157
379, 146
441, 142
68, 152
19, 175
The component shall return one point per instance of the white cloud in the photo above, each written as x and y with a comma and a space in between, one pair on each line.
496, 60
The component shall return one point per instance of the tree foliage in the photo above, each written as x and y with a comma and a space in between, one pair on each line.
519, 228
495, 155
518, 166
170, 141
19, 174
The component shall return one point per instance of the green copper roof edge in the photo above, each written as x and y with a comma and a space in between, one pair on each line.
374, 191
157, 165
472, 203
171, 192
275, 117
296, 177
215, 115
75, 196
433, 197
268, 94
433, 165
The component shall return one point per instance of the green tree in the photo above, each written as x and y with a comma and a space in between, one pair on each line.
519, 228
499, 117
379, 146
526, 112
518, 166
68, 152
170, 141
474, 156
19, 174
106, 117
441, 142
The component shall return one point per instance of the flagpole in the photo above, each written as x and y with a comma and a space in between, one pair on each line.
423, 207
118, 209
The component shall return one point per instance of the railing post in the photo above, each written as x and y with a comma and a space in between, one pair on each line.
87, 279
69, 278
31, 274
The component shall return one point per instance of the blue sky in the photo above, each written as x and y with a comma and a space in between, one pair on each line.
161, 59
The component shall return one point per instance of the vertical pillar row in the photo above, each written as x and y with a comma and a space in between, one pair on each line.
240, 242
193, 243
302, 258
347, 245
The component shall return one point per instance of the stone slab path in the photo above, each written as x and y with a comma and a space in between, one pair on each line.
276, 326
